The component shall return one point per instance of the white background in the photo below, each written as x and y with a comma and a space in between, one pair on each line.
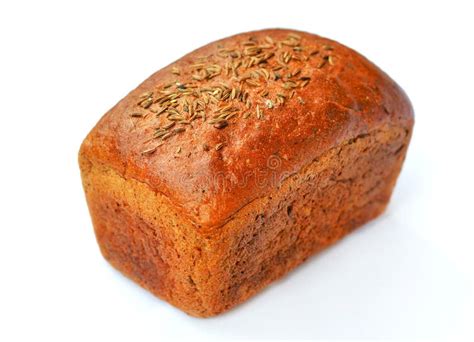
409, 274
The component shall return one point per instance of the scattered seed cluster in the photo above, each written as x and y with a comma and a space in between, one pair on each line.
249, 65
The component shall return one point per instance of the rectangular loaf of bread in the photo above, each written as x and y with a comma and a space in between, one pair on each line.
228, 168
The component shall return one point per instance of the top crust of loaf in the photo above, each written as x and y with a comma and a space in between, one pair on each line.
346, 97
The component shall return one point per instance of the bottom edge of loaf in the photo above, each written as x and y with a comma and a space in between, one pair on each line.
291, 262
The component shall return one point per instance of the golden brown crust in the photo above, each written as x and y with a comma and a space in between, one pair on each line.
206, 228
350, 98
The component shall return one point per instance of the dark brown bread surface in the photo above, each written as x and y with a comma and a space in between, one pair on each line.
205, 228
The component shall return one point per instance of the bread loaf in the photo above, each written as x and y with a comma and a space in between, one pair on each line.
228, 168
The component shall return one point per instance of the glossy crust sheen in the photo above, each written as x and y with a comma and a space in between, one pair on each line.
352, 113
351, 98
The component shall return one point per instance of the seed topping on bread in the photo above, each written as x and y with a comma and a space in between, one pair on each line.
215, 89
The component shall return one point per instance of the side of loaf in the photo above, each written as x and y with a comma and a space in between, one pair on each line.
228, 168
